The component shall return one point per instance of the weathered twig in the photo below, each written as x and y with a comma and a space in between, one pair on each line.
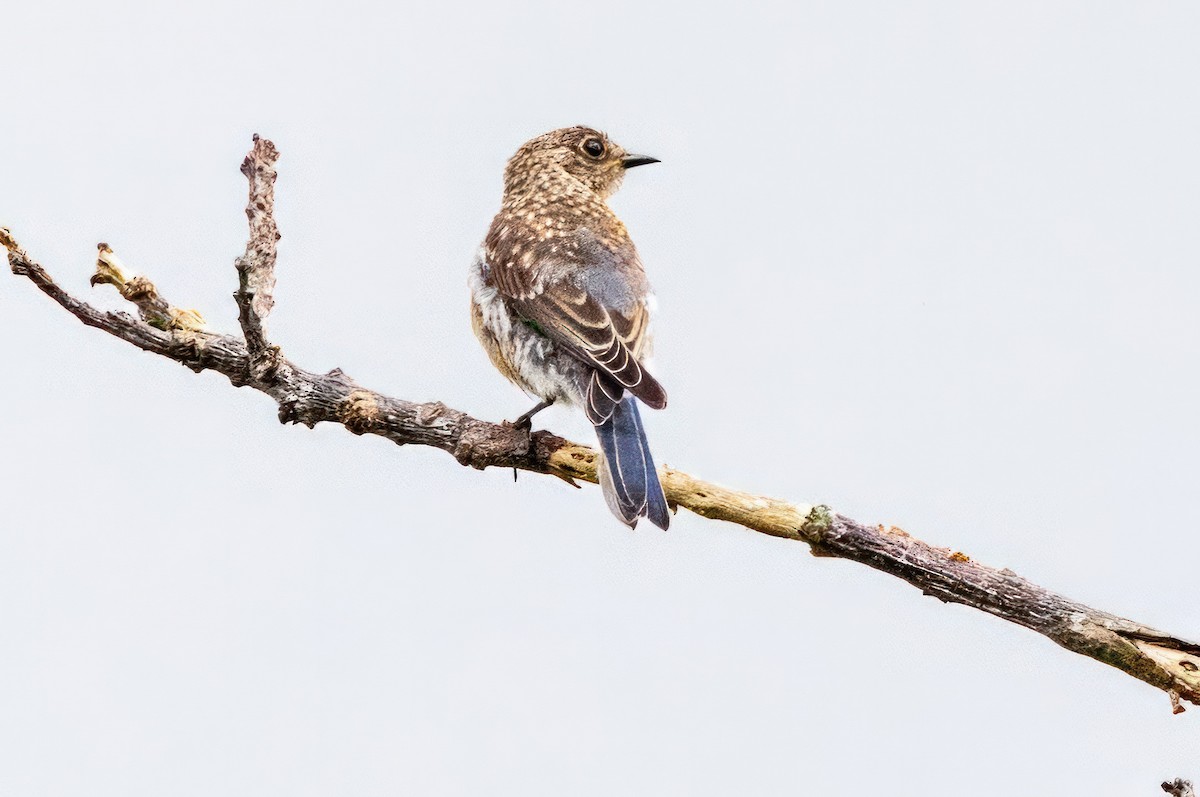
1167, 662
153, 309
1179, 788
256, 269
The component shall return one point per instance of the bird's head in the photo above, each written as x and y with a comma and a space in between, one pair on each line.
581, 152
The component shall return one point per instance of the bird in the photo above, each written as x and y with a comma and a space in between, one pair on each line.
561, 303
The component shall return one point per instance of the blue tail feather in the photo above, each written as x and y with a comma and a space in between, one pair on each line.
627, 474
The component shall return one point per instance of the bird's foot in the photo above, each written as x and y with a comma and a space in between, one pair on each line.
525, 421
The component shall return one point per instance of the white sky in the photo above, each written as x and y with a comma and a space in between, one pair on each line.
934, 264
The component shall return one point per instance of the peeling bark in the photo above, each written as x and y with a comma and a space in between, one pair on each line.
1179, 788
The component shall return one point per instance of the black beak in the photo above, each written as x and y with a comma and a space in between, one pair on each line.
629, 161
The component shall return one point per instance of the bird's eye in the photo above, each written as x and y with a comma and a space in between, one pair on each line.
594, 147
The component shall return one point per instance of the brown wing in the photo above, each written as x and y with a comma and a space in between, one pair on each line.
569, 286
606, 340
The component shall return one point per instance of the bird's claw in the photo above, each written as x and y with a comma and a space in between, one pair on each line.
519, 423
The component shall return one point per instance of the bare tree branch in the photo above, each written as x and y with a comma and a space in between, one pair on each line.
1179, 788
1167, 662
256, 269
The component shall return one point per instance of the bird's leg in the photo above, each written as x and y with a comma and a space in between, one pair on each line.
526, 420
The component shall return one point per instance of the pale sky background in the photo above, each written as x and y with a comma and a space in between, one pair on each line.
934, 264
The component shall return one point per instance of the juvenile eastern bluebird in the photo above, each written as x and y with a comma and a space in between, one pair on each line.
561, 303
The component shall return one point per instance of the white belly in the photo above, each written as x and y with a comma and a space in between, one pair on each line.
529, 359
